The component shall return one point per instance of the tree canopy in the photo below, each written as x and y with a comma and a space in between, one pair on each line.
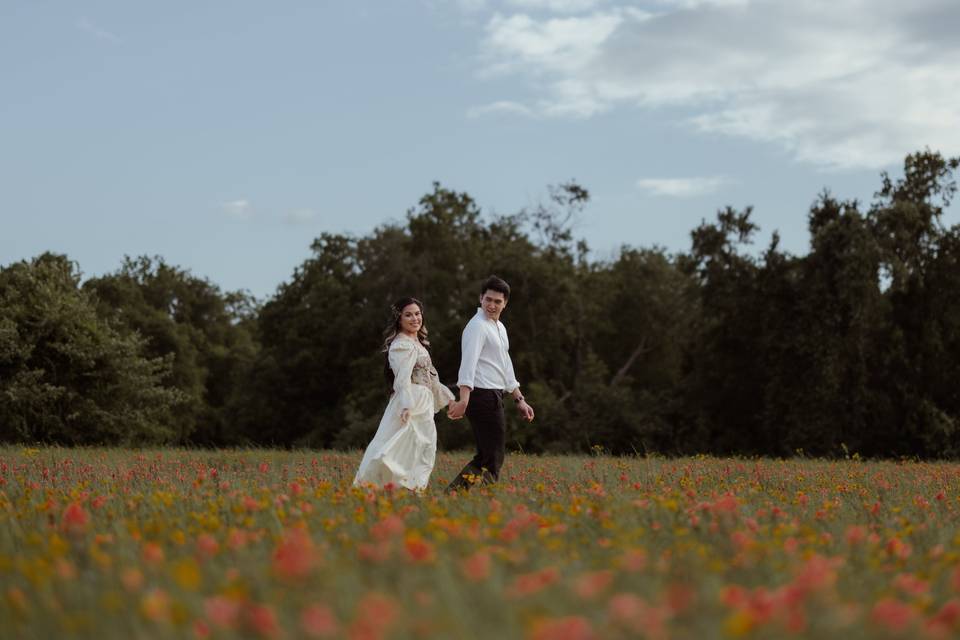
854, 346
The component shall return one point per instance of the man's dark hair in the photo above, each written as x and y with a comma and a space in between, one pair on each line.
493, 283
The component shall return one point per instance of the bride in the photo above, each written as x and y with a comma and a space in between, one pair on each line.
404, 448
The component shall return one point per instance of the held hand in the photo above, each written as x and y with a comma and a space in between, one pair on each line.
405, 416
526, 411
455, 410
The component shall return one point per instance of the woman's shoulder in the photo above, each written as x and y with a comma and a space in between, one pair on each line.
402, 343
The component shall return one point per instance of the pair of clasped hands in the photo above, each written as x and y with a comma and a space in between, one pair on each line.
457, 408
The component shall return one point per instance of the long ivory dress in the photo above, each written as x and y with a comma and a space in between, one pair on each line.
403, 454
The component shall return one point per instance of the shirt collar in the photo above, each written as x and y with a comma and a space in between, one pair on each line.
483, 315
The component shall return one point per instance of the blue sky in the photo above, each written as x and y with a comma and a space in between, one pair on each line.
225, 136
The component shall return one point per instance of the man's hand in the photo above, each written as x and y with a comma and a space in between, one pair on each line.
404, 416
526, 411
455, 410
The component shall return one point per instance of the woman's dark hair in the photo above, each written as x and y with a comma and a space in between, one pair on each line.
493, 283
393, 330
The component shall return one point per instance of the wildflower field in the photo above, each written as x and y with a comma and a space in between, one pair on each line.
265, 544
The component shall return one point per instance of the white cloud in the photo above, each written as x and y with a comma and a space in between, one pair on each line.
681, 187
88, 26
556, 45
300, 216
838, 83
501, 107
237, 209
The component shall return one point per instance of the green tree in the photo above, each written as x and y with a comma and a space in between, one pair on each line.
66, 375
207, 334
919, 257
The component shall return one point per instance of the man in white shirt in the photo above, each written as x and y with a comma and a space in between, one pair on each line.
486, 372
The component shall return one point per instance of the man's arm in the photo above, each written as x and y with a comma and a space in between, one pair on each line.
470, 344
525, 409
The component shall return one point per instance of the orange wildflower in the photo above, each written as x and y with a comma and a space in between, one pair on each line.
155, 606
318, 621
419, 550
132, 579
152, 553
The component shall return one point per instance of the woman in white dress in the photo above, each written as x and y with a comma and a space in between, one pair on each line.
404, 448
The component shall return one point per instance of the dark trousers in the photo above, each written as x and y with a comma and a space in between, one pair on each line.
485, 412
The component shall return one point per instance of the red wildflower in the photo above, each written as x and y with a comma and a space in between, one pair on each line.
318, 621
262, 620
419, 550
390, 527
911, 585
75, 519
207, 546
152, 553
376, 612
946, 620
222, 611
892, 614
568, 628
531, 583
477, 566
296, 556
590, 585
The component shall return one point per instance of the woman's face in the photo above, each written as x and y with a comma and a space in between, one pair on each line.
411, 319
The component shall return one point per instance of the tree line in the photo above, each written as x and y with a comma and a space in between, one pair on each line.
853, 347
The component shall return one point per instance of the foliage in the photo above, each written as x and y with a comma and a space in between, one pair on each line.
66, 374
206, 334
854, 346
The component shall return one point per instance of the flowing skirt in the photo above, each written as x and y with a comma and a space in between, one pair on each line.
402, 454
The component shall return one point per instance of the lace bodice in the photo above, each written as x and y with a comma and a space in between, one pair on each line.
411, 365
423, 371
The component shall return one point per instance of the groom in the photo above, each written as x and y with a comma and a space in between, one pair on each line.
486, 372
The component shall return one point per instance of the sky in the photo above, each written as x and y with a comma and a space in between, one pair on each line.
225, 135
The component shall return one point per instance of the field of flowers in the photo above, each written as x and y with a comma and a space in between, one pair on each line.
264, 544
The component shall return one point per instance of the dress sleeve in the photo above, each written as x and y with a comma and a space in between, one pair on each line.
403, 357
470, 345
441, 394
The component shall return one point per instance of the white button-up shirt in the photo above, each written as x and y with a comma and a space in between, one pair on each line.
485, 361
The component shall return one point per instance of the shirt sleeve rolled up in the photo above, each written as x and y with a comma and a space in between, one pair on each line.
471, 343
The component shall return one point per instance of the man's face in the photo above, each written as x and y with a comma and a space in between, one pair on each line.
493, 303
